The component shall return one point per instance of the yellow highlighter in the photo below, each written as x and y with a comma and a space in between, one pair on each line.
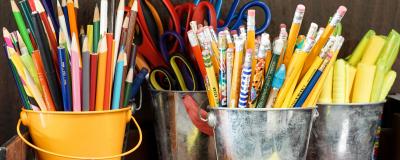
350, 75
313, 68
294, 31
341, 11
339, 82
363, 83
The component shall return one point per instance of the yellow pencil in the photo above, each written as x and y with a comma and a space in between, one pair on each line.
90, 37
237, 70
314, 67
211, 79
341, 11
101, 73
294, 31
314, 94
294, 69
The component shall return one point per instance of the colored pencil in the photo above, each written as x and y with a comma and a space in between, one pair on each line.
63, 25
85, 75
93, 80
103, 17
74, 27
76, 76
118, 80
96, 28
108, 77
44, 49
118, 27
21, 26
65, 11
131, 30
101, 76
65, 85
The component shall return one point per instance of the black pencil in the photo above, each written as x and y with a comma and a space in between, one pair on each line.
44, 49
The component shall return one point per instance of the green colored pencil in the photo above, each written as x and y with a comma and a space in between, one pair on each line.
21, 26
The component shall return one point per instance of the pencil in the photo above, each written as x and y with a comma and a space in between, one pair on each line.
21, 25
103, 17
85, 75
101, 74
118, 27
89, 30
44, 49
17, 79
28, 62
131, 30
63, 25
222, 69
74, 27
128, 84
257, 81
96, 28
108, 77
312, 82
76, 77
245, 80
111, 16
48, 6
50, 34
26, 78
118, 80
65, 76
93, 80
293, 33
23, 4
65, 11
341, 11
313, 68
262, 100
124, 32
277, 83
211, 79
237, 70
65, 85
229, 69
250, 42
132, 64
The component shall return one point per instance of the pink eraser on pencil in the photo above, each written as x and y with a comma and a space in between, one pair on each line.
301, 8
233, 32
330, 55
251, 12
342, 10
249, 50
283, 25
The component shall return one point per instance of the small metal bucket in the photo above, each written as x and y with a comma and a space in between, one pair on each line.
343, 132
177, 135
262, 133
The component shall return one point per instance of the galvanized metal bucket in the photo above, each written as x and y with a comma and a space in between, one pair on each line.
177, 135
345, 131
262, 133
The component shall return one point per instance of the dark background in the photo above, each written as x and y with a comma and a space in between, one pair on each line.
362, 15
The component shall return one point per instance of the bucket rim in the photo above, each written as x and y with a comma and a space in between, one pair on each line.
262, 109
77, 113
351, 104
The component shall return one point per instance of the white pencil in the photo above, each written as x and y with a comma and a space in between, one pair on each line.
103, 17
117, 34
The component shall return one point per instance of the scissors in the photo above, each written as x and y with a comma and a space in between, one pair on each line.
235, 20
179, 74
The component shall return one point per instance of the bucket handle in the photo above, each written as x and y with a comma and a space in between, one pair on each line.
195, 113
76, 157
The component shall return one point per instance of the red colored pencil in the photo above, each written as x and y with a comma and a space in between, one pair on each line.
93, 80
108, 81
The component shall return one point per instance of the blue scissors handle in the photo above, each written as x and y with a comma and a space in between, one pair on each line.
242, 15
164, 43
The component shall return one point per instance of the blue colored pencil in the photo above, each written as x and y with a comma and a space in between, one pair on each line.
118, 81
65, 85
65, 11
308, 89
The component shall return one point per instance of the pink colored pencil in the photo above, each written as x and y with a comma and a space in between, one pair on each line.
76, 77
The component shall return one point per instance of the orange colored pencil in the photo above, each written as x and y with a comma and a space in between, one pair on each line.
42, 79
73, 26
108, 81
